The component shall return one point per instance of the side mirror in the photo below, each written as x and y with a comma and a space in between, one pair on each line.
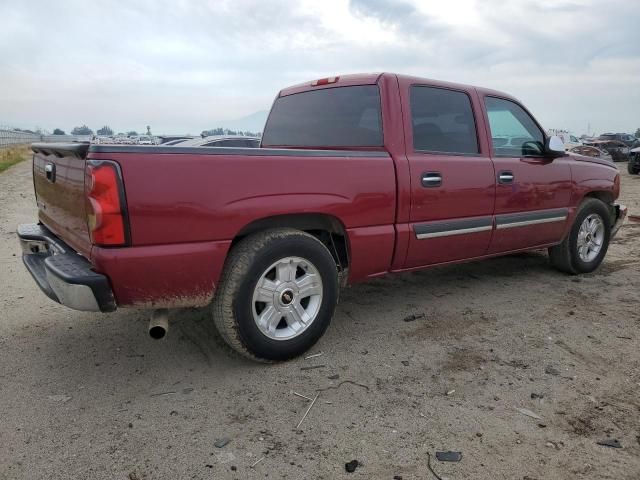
555, 147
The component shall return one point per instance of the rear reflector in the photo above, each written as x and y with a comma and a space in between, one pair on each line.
105, 204
324, 81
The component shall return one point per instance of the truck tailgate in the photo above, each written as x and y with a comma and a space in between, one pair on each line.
58, 178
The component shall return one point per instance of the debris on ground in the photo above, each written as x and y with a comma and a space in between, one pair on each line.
221, 442
335, 376
552, 370
301, 396
535, 396
431, 468
257, 462
59, 398
556, 445
312, 367
450, 392
405, 363
449, 456
308, 410
529, 413
610, 442
413, 317
163, 393
351, 466
319, 354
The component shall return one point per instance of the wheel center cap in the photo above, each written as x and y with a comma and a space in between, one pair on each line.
287, 297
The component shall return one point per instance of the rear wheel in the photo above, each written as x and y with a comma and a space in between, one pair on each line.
583, 250
631, 169
277, 295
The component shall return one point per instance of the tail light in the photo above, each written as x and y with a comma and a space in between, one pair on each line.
106, 205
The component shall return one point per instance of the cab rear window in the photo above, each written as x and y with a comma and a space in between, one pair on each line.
332, 117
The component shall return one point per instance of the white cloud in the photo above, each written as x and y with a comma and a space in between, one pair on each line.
188, 65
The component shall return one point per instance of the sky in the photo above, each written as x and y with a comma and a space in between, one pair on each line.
184, 66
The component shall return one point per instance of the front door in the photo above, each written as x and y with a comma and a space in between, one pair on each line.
533, 192
452, 176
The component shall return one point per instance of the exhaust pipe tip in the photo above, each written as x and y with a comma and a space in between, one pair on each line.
157, 332
159, 324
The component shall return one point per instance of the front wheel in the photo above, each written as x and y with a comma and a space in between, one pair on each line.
583, 250
277, 295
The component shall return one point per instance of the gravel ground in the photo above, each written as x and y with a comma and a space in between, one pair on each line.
86, 395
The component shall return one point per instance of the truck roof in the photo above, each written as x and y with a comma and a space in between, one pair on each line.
373, 78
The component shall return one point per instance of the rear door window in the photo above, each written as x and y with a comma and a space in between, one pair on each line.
332, 117
442, 121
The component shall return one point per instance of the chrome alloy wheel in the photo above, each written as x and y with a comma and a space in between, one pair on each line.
287, 298
590, 237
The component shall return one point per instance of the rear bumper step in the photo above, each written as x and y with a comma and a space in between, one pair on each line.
61, 273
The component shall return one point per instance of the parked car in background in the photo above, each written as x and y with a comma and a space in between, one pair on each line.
629, 140
618, 150
633, 167
590, 151
220, 141
357, 177
145, 140
568, 138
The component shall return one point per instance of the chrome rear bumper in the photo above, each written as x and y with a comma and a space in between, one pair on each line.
61, 273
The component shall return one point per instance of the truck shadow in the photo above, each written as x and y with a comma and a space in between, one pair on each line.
101, 350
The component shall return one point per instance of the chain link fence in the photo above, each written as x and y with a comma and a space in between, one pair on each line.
14, 137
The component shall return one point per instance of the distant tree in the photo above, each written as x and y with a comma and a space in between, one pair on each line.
132, 133
149, 130
83, 130
213, 131
638, 133
57, 131
106, 130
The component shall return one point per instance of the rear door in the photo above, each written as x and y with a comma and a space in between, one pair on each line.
452, 176
58, 178
533, 192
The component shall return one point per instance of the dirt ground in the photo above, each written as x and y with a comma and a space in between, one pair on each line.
85, 395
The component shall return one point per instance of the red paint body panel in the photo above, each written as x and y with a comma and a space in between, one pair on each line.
162, 276
61, 204
185, 209
195, 198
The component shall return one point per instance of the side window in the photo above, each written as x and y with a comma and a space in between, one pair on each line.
514, 133
442, 121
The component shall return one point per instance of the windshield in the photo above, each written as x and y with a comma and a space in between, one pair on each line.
332, 117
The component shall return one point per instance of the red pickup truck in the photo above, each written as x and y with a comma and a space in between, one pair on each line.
357, 176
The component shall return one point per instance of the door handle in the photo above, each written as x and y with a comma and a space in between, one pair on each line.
431, 179
50, 171
505, 177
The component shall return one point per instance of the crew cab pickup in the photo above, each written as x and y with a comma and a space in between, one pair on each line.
356, 177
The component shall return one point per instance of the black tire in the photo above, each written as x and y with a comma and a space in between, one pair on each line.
233, 303
565, 257
631, 170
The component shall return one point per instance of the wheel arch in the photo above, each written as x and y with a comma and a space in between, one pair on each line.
329, 229
603, 195
606, 197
